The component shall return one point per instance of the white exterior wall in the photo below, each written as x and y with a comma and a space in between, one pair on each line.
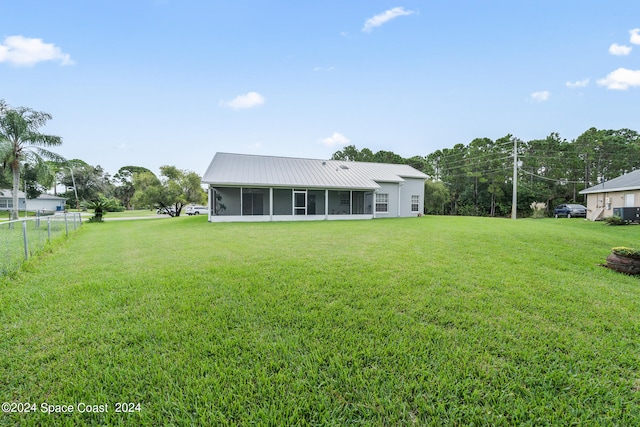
33, 204
400, 197
45, 204
390, 188
411, 187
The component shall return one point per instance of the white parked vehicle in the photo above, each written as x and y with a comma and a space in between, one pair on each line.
196, 210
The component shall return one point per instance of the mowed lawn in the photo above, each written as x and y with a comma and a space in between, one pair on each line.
416, 321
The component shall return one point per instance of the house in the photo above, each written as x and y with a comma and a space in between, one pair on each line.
620, 192
44, 202
266, 188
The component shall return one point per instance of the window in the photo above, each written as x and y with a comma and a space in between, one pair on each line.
415, 203
382, 202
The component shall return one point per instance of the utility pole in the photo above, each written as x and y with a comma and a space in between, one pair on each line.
514, 198
75, 190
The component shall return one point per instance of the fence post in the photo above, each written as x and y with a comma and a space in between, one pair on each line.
49, 229
24, 235
66, 225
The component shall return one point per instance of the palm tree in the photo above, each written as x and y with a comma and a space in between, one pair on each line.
21, 141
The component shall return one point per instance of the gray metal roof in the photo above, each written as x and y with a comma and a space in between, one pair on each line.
8, 194
626, 182
246, 169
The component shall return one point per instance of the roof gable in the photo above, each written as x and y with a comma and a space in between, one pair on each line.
243, 169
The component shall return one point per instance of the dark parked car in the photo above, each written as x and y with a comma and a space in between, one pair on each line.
570, 210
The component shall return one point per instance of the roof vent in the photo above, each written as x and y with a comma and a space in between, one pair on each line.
344, 167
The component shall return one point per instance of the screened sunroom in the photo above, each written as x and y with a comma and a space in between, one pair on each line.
263, 188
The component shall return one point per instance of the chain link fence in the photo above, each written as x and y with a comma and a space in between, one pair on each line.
23, 238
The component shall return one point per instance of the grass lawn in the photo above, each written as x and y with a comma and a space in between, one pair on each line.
416, 321
136, 213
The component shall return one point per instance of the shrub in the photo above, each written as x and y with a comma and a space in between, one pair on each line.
538, 209
100, 206
615, 220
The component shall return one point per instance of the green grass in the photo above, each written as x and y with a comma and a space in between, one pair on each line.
130, 213
40, 235
417, 321
6, 215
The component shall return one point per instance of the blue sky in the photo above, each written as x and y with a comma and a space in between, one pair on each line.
153, 82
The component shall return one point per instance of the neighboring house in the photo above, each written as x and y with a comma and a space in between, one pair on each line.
44, 202
265, 188
621, 192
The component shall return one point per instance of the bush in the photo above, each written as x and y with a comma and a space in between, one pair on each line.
615, 220
538, 209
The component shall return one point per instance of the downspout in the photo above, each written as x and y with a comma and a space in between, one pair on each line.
399, 197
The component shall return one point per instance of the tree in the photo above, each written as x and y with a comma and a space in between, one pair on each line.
22, 141
89, 181
352, 154
175, 189
436, 196
124, 179
37, 178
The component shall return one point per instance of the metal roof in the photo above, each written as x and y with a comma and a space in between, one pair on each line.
8, 194
626, 182
254, 170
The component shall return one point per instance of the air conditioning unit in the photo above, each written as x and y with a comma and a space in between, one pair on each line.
628, 214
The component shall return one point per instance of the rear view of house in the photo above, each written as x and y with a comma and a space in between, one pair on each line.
266, 188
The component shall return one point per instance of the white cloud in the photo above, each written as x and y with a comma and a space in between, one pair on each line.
579, 83
335, 139
384, 17
242, 102
621, 79
541, 96
317, 69
619, 50
635, 36
24, 51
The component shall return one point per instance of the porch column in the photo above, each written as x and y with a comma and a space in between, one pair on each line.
270, 203
211, 201
326, 204
374, 192
351, 202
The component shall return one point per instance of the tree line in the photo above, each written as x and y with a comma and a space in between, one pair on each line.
27, 163
477, 178
472, 179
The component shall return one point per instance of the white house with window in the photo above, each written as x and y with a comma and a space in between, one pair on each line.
245, 187
44, 202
